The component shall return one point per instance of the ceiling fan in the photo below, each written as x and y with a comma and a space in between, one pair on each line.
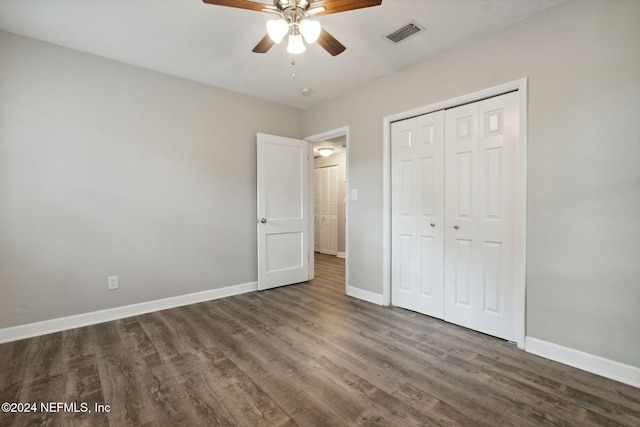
294, 20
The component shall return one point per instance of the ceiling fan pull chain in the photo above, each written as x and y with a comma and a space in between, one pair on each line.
293, 63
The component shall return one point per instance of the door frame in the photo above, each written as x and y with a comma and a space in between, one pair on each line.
317, 138
520, 220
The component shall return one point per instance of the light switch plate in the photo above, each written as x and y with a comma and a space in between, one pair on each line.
112, 283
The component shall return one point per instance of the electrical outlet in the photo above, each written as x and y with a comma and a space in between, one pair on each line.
112, 283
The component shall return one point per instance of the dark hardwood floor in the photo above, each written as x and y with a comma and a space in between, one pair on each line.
304, 355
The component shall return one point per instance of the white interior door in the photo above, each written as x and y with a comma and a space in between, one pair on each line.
283, 211
481, 152
417, 194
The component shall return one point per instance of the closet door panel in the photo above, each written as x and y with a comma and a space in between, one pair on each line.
498, 130
331, 217
317, 216
403, 282
326, 219
418, 214
461, 210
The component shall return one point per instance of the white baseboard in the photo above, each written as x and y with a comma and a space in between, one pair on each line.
64, 323
587, 362
365, 295
342, 255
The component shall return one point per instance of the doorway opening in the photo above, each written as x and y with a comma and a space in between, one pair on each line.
329, 186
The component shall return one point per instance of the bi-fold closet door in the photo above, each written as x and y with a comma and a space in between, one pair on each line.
326, 209
453, 214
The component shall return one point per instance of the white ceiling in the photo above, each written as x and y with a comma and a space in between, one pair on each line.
212, 44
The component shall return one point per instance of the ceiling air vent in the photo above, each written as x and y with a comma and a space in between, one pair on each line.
405, 32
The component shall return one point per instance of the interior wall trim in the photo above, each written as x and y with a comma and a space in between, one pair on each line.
368, 296
45, 327
608, 368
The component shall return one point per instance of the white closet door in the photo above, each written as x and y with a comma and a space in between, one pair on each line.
317, 215
498, 150
418, 213
326, 219
461, 209
480, 151
331, 217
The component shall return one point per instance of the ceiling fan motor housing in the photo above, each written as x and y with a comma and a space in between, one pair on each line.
285, 4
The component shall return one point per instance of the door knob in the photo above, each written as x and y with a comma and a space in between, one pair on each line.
456, 227
263, 220
432, 224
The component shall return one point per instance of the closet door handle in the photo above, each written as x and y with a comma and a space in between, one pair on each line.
432, 224
456, 227
263, 220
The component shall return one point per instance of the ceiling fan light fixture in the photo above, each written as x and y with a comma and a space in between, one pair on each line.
296, 45
310, 30
294, 13
277, 29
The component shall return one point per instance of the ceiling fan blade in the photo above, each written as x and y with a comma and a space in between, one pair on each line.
264, 45
335, 6
240, 4
330, 44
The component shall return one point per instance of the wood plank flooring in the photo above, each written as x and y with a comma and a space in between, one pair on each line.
301, 355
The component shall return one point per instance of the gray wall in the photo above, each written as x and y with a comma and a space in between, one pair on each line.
583, 235
108, 169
